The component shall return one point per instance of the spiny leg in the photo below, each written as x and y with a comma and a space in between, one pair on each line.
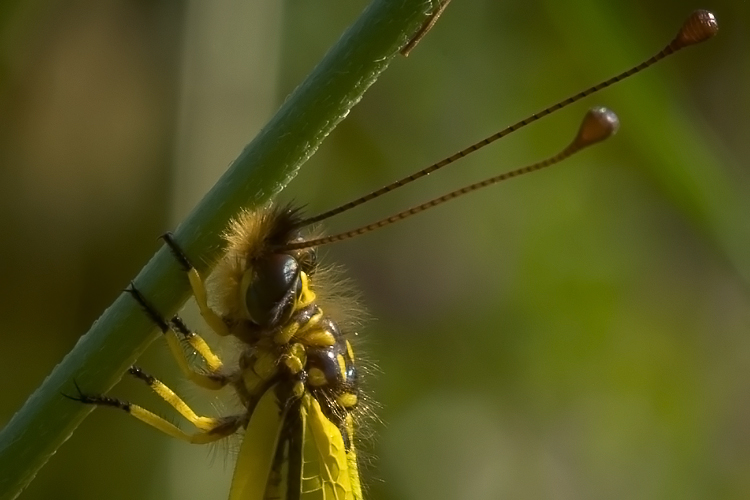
196, 342
168, 395
212, 429
212, 380
150, 310
199, 288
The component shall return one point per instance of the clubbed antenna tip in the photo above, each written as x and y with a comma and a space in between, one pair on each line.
597, 125
699, 27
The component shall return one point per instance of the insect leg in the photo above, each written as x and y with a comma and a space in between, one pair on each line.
207, 424
212, 380
199, 288
150, 310
211, 429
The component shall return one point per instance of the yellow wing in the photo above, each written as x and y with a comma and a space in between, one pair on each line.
328, 472
314, 458
258, 449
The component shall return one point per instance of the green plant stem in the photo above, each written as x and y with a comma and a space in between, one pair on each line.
268, 163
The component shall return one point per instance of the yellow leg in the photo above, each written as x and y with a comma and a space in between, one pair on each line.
168, 395
199, 288
213, 362
210, 428
224, 426
214, 379
199, 292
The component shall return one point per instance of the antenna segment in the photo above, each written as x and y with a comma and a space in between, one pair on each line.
700, 26
597, 125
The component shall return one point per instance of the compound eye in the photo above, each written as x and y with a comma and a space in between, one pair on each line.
271, 295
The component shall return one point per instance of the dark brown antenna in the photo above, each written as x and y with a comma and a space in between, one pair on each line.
700, 26
598, 124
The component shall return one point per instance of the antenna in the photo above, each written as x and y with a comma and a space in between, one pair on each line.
700, 26
597, 125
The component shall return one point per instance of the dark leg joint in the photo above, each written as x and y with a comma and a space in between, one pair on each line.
89, 399
141, 375
228, 426
147, 307
179, 255
180, 327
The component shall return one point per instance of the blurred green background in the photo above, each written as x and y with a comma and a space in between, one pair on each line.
579, 333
